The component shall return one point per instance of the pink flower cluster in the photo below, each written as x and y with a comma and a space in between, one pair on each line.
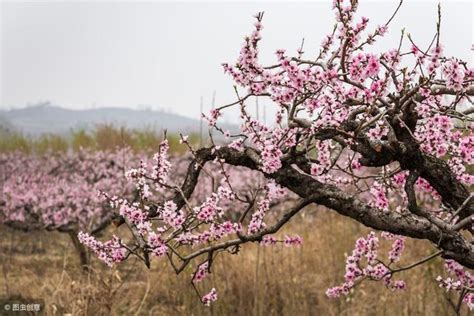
110, 252
459, 281
366, 249
380, 199
157, 245
209, 297
397, 249
162, 164
201, 272
454, 74
136, 216
435, 63
293, 240
171, 215
139, 176
288, 241
209, 210
272, 192
256, 222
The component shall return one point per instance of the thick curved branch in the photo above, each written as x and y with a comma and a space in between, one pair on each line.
330, 196
406, 224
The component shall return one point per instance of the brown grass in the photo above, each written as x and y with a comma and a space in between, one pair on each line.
102, 137
258, 281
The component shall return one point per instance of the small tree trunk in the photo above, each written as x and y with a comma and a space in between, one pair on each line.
81, 250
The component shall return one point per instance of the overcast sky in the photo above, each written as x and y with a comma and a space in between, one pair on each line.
168, 54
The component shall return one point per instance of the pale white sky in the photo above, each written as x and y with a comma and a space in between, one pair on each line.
168, 54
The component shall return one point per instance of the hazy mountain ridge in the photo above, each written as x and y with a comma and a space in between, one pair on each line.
47, 119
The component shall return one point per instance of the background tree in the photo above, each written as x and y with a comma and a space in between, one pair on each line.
59, 191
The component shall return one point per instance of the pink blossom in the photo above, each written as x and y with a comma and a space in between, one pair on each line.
210, 297
293, 241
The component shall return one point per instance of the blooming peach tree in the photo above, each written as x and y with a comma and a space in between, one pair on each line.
58, 192
383, 138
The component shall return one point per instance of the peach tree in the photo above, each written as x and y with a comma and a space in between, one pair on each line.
383, 138
59, 191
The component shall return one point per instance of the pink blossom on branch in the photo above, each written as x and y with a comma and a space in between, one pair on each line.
209, 297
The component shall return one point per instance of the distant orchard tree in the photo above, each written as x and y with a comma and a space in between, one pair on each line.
59, 191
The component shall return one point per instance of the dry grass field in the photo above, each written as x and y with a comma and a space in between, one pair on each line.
257, 281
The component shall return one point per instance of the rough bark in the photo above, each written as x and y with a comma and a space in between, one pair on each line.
453, 243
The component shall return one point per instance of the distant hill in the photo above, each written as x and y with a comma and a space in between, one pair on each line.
46, 118
5, 125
